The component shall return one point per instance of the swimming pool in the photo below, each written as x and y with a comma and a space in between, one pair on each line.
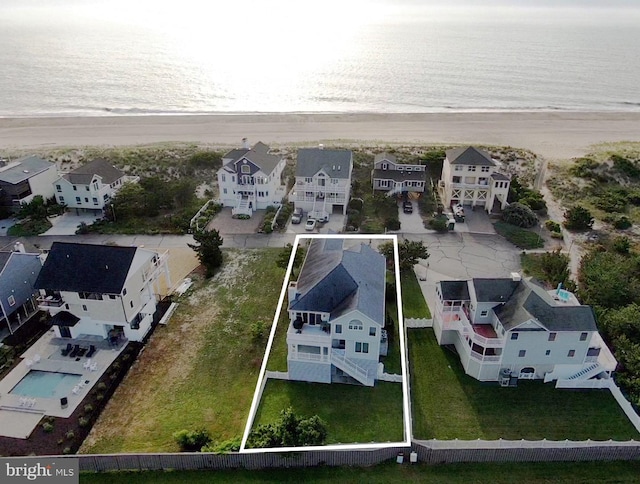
46, 384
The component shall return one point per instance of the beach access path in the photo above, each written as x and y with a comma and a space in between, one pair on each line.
553, 135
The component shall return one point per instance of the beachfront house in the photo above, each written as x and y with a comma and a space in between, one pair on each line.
336, 312
323, 182
471, 177
251, 179
101, 290
397, 178
505, 329
21, 180
18, 273
89, 187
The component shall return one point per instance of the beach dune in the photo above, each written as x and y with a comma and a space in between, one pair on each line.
553, 135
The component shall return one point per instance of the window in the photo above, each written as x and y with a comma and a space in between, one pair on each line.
521, 353
95, 186
583, 336
552, 336
11, 300
372, 331
58, 188
485, 169
95, 201
86, 199
223, 178
124, 291
355, 324
75, 188
338, 328
484, 313
90, 295
547, 353
308, 180
86, 188
458, 168
233, 179
362, 347
571, 353
457, 179
514, 335
131, 303
245, 169
334, 181
358, 347
78, 200
112, 296
84, 307
472, 168
61, 199
385, 166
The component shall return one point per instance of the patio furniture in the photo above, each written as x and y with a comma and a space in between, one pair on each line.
22, 402
94, 366
87, 364
82, 351
76, 350
36, 358
64, 401
92, 350
75, 390
31, 402
82, 384
28, 362
67, 350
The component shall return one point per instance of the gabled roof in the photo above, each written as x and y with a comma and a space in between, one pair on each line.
384, 156
496, 290
335, 163
530, 301
454, 290
258, 155
337, 281
4, 258
86, 268
85, 173
64, 318
23, 169
399, 175
469, 156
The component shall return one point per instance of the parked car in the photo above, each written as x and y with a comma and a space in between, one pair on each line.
310, 224
296, 217
458, 210
407, 207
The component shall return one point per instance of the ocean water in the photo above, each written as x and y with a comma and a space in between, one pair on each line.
140, 57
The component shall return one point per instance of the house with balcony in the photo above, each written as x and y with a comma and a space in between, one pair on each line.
396, 178
101, 290
251, 179
21, 180
18, 296
323, 182
471, 177
89, 187
505, 329
336, 311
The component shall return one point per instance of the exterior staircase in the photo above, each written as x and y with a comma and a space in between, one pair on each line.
586, 373
339, 360
395, 190
242, 207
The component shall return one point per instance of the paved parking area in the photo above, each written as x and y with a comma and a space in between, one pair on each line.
476, 222
410, 223
226, 224
67, 223
335, 224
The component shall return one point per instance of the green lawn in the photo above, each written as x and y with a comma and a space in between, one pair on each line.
201, 369
448, 404
413, 303
522, 238
353, 413
521, 472
279, 350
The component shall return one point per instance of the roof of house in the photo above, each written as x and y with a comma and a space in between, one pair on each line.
86, 268
335, 163
499, 176
469, 156
399, 175
4, 258
258, 155
336, 281
64, 318
493, 289
384, 156
454, 290
85, 173
23, 169
531, 301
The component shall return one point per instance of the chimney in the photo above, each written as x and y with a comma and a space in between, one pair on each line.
320, 146
516, 277
19, 247
245, 144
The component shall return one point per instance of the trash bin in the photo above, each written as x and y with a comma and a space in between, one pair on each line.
64, 402
452, 224
400, 458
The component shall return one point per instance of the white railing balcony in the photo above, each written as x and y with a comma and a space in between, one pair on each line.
457, 320
485, 358
45, 302
298, 355
309, 333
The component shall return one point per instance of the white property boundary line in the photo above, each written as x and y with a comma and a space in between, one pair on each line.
403, 356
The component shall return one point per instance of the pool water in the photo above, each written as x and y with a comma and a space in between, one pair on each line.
46, 384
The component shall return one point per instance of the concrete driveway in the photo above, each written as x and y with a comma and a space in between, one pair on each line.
227, 225
476, 222
67, 223
410, 223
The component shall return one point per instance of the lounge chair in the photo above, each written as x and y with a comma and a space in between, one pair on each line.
76, 350
28, 362
67, 350
31, 402
75, 390
92, 350
82, 351
94, 366
86, 364
22, 401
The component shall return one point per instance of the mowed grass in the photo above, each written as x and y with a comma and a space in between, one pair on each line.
448, 404
353, 414
521, 472
199, 371
522, 238
413, 303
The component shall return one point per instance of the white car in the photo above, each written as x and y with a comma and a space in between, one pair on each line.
310, 224
458, 210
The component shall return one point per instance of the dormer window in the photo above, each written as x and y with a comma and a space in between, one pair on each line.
385, 166
245, 169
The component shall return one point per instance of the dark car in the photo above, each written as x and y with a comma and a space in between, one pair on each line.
407, 207
296, 218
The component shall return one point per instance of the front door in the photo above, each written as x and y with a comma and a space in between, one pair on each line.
65, 332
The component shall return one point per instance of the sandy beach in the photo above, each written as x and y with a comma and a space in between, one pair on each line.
553, 135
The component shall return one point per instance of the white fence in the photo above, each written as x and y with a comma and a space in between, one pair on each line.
418, 323
195, 217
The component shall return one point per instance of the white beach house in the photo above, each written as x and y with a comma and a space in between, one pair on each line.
394, 177
21, 180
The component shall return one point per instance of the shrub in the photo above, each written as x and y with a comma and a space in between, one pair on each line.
392, 224
224, 447
619, 222
47, 427
553, 226
439, 224
99, 397
88, 408
356, 204
70, 435
258, 330
583, 167
192, 440
102, 385
628, 167
621, 244
60, 441
556, 235
83, 421
612, 200
66, 450
519, 215
578, 218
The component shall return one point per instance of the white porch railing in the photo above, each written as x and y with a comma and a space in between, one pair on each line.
355, 370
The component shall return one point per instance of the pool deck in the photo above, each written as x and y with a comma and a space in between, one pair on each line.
24, 419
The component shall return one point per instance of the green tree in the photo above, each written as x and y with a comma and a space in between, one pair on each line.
578, 218
285, 254
621, 244
409, 252
555, 267
609, 279
519, 215
129, 202
36, 209
625, 320
207, 248
289, 431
